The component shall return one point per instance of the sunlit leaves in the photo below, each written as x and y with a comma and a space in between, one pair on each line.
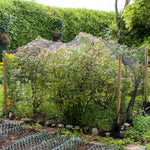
137, 14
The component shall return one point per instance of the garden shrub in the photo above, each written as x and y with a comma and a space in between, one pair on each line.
29, 80
78, 80
140, 129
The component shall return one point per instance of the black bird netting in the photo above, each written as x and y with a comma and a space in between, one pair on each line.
134, 60
78, 79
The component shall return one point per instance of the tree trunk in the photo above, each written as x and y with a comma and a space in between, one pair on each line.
126, 3
117, 16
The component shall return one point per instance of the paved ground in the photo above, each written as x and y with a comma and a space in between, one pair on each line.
134, 147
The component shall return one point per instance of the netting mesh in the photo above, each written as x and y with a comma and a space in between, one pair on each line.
71, 144
102, 147
29, 141
97, 147
8, 130
57, 56
134, 60
50, 144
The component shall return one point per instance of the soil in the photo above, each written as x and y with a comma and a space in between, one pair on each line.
11, 140
53, 131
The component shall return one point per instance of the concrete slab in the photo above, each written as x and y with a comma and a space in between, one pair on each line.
134, 147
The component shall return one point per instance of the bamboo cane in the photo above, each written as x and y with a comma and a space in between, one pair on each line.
4, 79
118, 89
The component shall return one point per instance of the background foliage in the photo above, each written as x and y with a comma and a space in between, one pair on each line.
137, 19
32, 19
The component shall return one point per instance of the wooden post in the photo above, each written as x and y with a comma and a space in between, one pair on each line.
146, 75
118, 89
4, 79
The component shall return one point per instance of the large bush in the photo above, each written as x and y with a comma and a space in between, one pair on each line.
80, 81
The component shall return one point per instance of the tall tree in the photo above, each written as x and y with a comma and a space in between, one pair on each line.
117, 16
137, 15
126, 3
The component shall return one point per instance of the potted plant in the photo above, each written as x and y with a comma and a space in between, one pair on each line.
57, 29
56, 32
4, 38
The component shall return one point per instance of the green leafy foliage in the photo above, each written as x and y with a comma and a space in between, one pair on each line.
137, 20
124, 36
76, 80
1, 101
29, 20
83, 20
137, 14
79, 82
67, 133
140, 129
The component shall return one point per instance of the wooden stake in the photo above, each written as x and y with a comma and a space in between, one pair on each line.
4, 79
146, 75
118, 89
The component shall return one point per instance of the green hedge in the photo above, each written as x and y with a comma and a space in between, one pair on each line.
29, 20
89, 21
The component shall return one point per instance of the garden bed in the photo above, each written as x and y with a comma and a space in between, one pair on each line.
91, 141
30, 130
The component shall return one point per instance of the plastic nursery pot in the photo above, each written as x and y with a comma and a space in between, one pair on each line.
6, 42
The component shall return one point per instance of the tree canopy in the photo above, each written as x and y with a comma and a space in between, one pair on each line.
137, 15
